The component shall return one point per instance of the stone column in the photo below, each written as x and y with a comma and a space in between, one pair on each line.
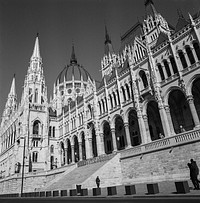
170, 67
66, 155
143, 133
114, 139
80, 151
90, 147
193, 111
100, 147
186, 58
128, 138
194, 54
164, 121
102, 143
145, 119
164, 70
73, 157
167, 110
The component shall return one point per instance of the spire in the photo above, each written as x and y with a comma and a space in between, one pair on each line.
149, 8
73, 57
107, 37
36, 50
13, 89
108, 43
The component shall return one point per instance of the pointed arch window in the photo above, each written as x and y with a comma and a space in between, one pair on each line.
190, 55
162, 76
173, 63
182, 58
124, 95
144, 78
35, 156
128, 91
111, 102
36, 127
197, 49
167, 68
36, 95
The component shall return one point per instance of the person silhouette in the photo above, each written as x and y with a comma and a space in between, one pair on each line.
97, 181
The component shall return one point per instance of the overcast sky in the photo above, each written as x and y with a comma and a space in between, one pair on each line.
61, 22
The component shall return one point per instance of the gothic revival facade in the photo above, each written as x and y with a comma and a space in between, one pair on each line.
149, 92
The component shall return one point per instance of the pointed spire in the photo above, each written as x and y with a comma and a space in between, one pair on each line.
108, 43
180, 14
107, 37
149, 8
36, 50
73, 56
13, 89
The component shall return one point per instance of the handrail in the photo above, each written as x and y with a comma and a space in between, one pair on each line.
168, 142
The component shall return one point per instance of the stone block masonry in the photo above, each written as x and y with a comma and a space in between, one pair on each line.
169, 164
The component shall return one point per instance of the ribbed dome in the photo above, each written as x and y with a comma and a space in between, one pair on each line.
74, 70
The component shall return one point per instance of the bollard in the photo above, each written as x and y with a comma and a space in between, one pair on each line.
152, 188
63, 193
72, 192
112, 190
182, 187
130, 189
96, 191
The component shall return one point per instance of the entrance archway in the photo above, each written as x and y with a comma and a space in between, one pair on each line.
180, 111
69, 152
83, 146
76, 149
154, 120
120, 133
62, 154
134, 128
196, 95
107, 136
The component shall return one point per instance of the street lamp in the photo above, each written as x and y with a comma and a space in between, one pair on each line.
22, 184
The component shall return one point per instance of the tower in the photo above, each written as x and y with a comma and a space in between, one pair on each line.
35, 113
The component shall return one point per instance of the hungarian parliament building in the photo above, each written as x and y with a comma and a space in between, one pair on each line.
144, 113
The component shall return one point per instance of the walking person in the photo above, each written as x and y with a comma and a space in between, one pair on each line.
97, 181
196, 169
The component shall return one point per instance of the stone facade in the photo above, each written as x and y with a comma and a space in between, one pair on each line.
147, 99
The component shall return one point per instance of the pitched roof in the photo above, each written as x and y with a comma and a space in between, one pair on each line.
162, 37
182, 22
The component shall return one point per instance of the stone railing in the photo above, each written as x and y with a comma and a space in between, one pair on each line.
95, 160
168, 142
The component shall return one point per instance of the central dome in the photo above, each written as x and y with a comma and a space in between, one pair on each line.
73, 71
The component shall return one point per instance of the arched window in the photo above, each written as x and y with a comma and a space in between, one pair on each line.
104, 110
128, 92
173, 63
190, 55
100, 110
124, 95
182, 58
162, 76
53, 131
36, 95
49, 131
52, 149
111, 102
144, 78
118, 98
36, 127
167, 68
197, 49
115, 100
35, 156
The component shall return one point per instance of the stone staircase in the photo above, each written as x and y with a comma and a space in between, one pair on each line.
85, 175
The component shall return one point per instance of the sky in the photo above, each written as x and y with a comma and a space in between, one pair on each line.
61, 23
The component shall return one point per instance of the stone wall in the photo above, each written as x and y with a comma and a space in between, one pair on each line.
162, 165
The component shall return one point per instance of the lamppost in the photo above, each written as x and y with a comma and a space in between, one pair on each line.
22, 184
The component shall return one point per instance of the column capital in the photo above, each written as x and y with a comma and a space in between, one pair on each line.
190, 98
126, 124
